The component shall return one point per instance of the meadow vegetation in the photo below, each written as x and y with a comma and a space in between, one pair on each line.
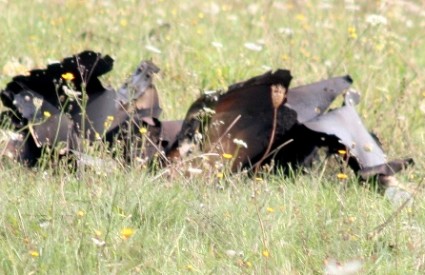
129, 221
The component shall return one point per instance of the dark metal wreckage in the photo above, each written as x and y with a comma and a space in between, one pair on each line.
258, 121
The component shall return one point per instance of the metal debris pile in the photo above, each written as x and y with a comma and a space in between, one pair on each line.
260, 120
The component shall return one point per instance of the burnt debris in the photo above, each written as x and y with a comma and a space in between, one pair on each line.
66, 103
257, 121
290, 132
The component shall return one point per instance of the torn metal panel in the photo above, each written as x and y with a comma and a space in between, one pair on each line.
139, 85
47, 125
345, 124
32, 106
312, 100
98, 116
66, 101
83, 68
55, 129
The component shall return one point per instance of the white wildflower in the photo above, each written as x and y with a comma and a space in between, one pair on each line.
253, 8
44, 224
210, 92
98, 242
217, 45
52, 61
240, 143
286, 31
37, 102
152, 49
253, 46
194, 171
376, 20
208, 111
422, 107
231, 253
332, 267
350, 5
72, 94
214, 9
325, 5
232, 18
198, 137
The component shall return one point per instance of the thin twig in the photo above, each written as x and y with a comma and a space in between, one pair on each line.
271, 140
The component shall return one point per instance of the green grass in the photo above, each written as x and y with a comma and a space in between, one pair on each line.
195, 224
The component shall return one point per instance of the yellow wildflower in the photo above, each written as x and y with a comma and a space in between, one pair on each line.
108, 122
80, 213
226, 7
300, 17
342, 152
143, 130
47, 114
248, 264
342, 176
34, 253
68, 76
352, 33
220, 175
284, 57
126, 233
270, 209
123, 22
227, 156
266, 253
98, 233
189, 267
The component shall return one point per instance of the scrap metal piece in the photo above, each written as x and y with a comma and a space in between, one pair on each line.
67, 101
244, 112
139, 86
342, 128
312, 100
81, 71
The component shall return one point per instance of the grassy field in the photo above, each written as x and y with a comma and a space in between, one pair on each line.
128, 221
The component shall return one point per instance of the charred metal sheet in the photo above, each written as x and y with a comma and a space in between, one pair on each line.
245, 112
83, 68
66, 101
304, 123
46, 124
